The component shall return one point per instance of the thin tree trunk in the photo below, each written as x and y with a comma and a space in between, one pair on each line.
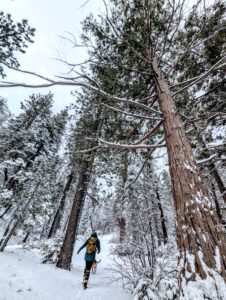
16, 220
218, 210
26, 237
91, 223
164, 231
8, 234
66, 252
59, 214
218, 180
122, 228
6, 210
124, 174
199, 232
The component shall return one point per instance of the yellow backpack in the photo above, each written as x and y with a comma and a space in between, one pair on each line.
91, 246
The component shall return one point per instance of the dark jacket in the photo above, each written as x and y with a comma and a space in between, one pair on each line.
92, 256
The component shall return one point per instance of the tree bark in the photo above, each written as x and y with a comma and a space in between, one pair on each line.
59, 214
122, 228
6, 210
66, 252
199, 232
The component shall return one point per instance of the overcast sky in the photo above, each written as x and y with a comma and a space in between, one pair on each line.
51, 18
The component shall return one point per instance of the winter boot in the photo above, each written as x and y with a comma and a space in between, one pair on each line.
85, 285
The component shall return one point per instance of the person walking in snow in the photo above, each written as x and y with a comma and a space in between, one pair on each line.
92, 246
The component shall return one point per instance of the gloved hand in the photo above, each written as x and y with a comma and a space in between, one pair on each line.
98, 251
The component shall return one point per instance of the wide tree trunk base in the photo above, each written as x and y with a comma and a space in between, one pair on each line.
211, 288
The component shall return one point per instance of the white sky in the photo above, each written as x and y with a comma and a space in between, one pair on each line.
51, 18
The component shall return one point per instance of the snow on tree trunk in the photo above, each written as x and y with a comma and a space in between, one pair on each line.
200, 236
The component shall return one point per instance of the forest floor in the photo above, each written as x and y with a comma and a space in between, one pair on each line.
23, 277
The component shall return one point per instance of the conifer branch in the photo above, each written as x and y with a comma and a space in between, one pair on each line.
204, 75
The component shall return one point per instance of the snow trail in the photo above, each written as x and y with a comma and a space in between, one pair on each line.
23, 277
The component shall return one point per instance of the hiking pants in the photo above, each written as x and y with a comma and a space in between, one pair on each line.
87, 271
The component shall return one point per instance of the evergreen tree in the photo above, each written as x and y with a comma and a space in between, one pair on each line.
29, 142
14, 38
146, 38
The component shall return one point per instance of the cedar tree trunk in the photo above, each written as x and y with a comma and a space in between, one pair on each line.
200, 235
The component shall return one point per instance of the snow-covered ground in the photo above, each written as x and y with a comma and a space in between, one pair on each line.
23, 277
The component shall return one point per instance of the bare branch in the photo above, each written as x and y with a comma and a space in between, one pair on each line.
87, 151
210, 118
83, 4
73, 41
141, 170
149, 133
93, 198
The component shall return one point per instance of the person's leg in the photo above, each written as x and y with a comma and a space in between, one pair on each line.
87, 273
94, 267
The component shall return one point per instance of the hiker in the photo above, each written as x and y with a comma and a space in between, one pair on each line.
92, 246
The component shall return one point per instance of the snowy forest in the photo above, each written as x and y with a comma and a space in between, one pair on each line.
139, 157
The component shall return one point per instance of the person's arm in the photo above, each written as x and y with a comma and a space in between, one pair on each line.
98, 246
83, 246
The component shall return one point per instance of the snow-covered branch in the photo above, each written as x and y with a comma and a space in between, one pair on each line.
130, 146
203, 161
130, 114
72, 82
